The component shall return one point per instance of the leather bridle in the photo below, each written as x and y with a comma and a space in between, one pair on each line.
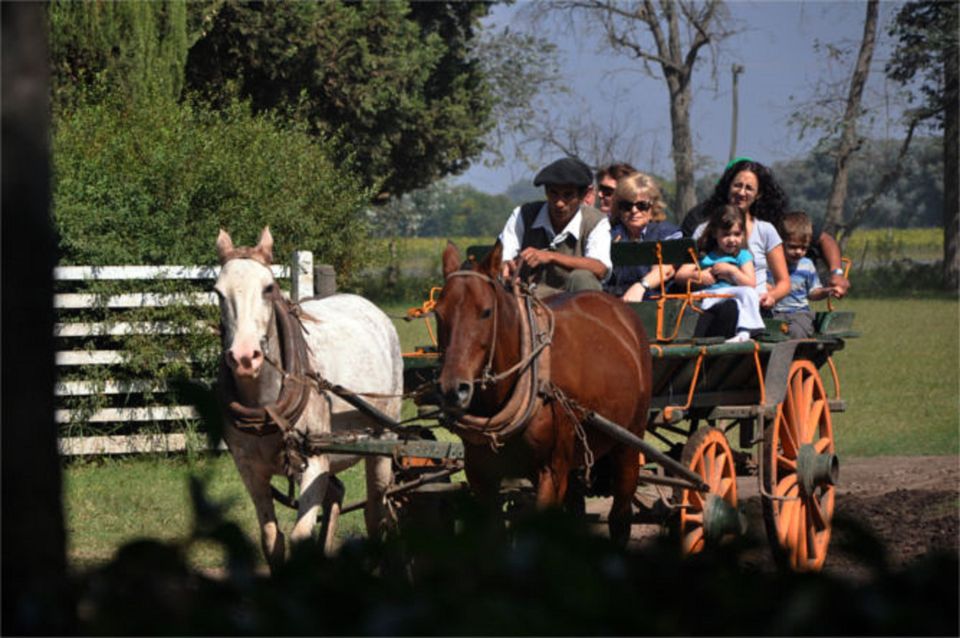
536, 335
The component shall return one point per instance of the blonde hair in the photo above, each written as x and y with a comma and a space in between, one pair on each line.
633, 185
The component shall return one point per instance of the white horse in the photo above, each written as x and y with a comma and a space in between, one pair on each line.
345, 339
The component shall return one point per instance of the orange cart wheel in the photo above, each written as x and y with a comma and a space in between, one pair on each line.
800, 471
706, 518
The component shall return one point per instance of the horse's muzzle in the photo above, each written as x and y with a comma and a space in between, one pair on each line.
458, 395
247, 365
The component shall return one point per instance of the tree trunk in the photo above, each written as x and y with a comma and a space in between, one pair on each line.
35, 596
951, 173
848, 137
686, 197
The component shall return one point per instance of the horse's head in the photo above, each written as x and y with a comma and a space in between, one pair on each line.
245, 288
467, 313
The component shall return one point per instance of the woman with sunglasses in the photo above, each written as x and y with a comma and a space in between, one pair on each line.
638, 214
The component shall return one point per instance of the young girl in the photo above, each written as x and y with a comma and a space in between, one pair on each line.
727, 267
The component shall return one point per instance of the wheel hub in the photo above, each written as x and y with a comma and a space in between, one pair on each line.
816, 470
721, 519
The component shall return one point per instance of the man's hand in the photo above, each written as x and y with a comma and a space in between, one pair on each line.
840, 285
535, 257
509, 269
767, 301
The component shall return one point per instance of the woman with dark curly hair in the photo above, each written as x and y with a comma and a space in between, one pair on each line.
751, 187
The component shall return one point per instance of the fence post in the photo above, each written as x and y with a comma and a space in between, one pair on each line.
301, 275
324, 280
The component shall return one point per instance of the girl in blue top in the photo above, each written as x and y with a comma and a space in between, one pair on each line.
727, 268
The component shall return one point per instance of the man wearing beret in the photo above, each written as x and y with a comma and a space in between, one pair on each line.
561, 244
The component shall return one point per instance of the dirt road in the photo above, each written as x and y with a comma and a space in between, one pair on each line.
910, 503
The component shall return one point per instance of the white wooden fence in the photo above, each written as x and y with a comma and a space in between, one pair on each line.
302, 278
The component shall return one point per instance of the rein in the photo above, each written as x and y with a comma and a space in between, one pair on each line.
536, 334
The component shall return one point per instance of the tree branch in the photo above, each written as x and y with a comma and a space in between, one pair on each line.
883, 184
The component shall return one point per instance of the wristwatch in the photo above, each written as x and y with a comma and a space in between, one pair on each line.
837, 271
644, 284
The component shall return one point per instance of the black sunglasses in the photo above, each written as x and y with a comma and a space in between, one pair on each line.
642, 206
606, 191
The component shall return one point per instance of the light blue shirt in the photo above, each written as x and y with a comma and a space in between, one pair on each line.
714, 257
803, 279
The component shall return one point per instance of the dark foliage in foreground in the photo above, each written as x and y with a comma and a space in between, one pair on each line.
550, 576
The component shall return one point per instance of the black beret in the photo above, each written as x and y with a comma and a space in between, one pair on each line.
568, 170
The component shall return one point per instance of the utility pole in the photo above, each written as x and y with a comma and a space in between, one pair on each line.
737, 69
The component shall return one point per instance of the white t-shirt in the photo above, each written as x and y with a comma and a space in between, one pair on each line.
596, 246
763, 238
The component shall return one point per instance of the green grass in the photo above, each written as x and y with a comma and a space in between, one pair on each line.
111, 502
900, 380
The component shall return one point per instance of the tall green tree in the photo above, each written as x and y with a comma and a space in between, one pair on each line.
393, 82
136, 48
927, 54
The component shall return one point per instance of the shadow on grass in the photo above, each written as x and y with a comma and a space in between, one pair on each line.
549, 575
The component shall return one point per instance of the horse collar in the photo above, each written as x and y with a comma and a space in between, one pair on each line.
294, 388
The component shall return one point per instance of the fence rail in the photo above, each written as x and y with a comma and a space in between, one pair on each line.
141, 392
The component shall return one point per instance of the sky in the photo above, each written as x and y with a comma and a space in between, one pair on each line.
775, 45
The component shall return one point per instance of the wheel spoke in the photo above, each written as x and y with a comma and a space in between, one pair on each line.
793, 530
822, 445
693, 540
816, 514
813, 541
808, 385
787, 437
802, 536
787, 464
719, 462
816, 411
726, 487
696, 500
795, 400
783, 522
706, 469
787, 484
697, 465
827, 502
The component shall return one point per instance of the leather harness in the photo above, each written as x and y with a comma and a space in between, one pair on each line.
533, 381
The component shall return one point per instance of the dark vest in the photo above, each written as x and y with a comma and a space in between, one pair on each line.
553, 275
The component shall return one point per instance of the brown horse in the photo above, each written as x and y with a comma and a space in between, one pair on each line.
516, 392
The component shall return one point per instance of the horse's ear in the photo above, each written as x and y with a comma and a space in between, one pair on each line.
224, 246
451, 258
490, 265
265, 245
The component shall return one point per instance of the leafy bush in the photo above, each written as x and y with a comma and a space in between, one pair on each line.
151, 183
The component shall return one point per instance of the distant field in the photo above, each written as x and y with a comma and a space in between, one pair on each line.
883, 245
420, 256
